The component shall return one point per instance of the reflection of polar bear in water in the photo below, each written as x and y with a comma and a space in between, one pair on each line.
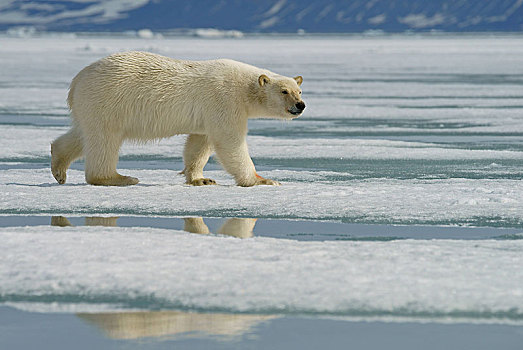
236, 227
142, 96
141, 324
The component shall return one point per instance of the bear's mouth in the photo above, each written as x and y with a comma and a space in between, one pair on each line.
294, 111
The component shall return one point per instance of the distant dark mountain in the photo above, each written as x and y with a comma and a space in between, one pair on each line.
265, 16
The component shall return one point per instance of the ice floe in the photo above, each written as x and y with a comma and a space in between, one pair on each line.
141, 267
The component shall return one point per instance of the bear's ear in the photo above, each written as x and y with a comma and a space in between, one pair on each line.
299, 79
263, 79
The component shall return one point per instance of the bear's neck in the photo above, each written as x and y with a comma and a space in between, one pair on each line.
256, 100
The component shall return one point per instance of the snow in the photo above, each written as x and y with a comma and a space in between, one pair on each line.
170, 269
376, 20
163, 192
101, 11
216, 33
420, 20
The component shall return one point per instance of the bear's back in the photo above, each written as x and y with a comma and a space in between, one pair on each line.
143, 74
152, 96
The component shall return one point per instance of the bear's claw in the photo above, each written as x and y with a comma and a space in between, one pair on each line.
269, 182
58, 168
59, 175
202, 182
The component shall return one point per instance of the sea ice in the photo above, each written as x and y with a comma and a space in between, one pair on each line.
397, 130
138, 267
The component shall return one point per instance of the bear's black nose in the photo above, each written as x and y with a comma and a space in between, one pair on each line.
300, 105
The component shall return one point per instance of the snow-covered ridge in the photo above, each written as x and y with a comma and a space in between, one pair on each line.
266, 16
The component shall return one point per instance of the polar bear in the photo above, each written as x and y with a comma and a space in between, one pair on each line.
142, 96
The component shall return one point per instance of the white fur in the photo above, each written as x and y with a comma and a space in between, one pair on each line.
142, 96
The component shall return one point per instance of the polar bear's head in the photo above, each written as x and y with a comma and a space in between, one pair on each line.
282, 96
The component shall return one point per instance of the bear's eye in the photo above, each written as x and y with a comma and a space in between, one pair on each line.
285, 92
300, 92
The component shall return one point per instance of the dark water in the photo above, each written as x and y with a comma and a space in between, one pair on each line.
301, 230
175, 330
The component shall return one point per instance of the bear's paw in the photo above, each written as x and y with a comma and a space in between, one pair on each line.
202, 182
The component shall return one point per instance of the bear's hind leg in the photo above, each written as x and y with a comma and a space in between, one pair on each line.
195, 155
101, 158
64, 150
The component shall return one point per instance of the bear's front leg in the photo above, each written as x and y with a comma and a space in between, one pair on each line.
195, 155
233, 153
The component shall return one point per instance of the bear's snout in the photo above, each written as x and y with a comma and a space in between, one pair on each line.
297, 108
